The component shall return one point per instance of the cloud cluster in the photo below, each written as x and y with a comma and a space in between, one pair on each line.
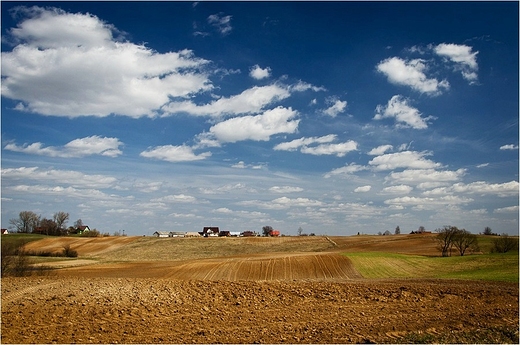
324, 147
404, 114
93, 145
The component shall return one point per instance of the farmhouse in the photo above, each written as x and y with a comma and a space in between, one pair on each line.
176, 234
161, 234
248, 233
192, 234
5, 231
83, 228
210, 231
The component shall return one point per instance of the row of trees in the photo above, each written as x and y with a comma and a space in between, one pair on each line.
450, 237
30, 222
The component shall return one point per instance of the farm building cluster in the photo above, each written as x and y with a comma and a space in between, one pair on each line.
211, 231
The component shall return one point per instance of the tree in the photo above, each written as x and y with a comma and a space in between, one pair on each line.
445, 238
267, 230
26, 222
49, 227
61, 218
463, 239
488, 231
300, 231
504, 244
78, 223
421, 229
397, 230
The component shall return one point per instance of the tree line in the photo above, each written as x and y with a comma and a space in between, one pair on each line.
30, 222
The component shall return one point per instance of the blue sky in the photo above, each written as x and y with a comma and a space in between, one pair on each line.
336, 117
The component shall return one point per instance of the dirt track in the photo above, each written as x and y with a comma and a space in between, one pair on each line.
133, 310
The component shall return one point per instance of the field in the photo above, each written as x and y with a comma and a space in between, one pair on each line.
357, 289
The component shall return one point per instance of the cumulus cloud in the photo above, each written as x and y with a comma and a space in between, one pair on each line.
377, 151
404, 114
479, 187
285, 189
250, 101
179, 198
72, 65
428, 203
404, 159
346, 170
363, 189
411, 73
93, 145
425, 178
336, 107
463, 56
174, 154
258, 127
258, 73
509, 209
325, 146
221, 22
400, 189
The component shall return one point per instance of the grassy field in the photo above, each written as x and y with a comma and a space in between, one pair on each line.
492, 267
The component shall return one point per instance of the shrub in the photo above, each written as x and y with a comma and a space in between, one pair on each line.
69, 253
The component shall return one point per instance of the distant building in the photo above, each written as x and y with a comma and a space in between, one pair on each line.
210, 231
5, 231
248, 233
161, 234
177, 234
274, 233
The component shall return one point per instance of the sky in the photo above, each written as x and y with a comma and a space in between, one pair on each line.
334, 117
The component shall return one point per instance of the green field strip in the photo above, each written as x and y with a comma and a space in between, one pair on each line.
492, 267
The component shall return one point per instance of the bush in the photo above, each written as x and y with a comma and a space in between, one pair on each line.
69, 253
14, 260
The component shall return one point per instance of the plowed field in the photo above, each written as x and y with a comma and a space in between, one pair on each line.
285, 290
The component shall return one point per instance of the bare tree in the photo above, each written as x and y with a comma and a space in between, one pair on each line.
398, 230
488, 231
61, 218
26, 222
445, 238
463, 239
78, 223
300, 231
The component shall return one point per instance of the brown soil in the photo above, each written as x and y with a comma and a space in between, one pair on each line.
263, 291
144, 310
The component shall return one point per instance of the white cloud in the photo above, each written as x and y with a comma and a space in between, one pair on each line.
93, 145
302, 142
509, 209
258, 127
363, 189
70, 177
250, 101
346, 170
461, 55
400, 189
377, 151
174, 154
297, 202
479, 187
404, 159
411, 73
285, 189
405, 115
179, 198
335, 108
509, 147
242, 165
340, 149
71, 65
425, 178
428, 203
258, 73
325, 146
221, 23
